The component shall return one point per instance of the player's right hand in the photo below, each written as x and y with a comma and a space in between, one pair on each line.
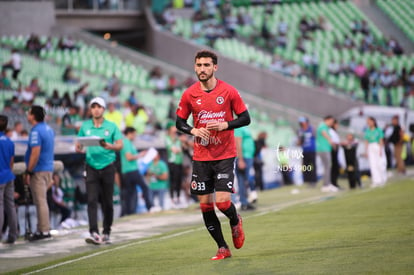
201, 133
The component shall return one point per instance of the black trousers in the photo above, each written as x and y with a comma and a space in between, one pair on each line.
176, 178
100, 189
334, 167
309, 172
129, 197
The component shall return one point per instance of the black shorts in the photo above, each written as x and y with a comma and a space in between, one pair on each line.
210, 176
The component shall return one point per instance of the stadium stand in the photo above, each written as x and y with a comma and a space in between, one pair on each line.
95, 66
335, 31
400, 12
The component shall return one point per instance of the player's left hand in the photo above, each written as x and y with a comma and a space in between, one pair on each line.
217, 126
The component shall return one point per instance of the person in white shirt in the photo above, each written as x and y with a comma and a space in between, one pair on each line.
15, 64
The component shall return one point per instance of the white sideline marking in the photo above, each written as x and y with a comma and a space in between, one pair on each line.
261, 213
113, 249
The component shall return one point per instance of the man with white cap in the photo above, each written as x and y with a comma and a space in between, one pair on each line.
100, 168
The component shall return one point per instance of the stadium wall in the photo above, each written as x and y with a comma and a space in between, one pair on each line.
270, 86
24, 18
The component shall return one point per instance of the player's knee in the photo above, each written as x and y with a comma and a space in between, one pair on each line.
223, 206
206, 207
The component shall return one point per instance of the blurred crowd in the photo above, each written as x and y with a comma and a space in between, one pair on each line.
212, 20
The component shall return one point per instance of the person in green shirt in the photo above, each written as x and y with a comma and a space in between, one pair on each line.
70, 121
374, 150
175, 157
157, 175
131, 175
324, 145
100, 168
245, 155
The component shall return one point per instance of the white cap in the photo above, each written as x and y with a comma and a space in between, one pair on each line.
98, 100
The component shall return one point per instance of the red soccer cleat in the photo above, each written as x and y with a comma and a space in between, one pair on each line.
222, 253
238, 234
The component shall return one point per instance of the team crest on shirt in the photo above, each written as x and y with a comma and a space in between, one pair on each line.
198, 101
220, 100
106, 133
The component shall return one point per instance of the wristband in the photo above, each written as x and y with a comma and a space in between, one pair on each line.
30, 173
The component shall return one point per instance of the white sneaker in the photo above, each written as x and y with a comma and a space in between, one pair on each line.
95, 238
333, 188
326, 188
253, 196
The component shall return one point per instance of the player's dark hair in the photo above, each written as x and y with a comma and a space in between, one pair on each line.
4, 120
205, 53
38, 112
129, 130
328, 117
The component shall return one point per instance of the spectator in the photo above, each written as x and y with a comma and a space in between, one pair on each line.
397, 140
39, 167
157, 175
71, 121
4, 81
365, 86
172, 84
277, 64
15, 64
335, 167
7, 183
132, 99
67, 43
260, 144
175, 162
114, 115
33, 45
66, 100
374, 150
360, 70
386, 81
113, 98
348, 42
80, 99
169, 18
55, 100
350, 146
34, 87
55, 199
17, 130
324, 146
283, 26
48, 45
138, 118
158, 80
281, 41
131, 176
334, 68
69, 77
307, 141
355, 27
245, 154
26, 96
114, 85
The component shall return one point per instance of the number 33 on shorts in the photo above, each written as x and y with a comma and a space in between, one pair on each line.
199, 186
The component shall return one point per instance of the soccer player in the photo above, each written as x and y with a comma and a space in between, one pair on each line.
212, 103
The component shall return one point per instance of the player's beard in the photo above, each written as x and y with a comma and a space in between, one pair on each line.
207, 78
